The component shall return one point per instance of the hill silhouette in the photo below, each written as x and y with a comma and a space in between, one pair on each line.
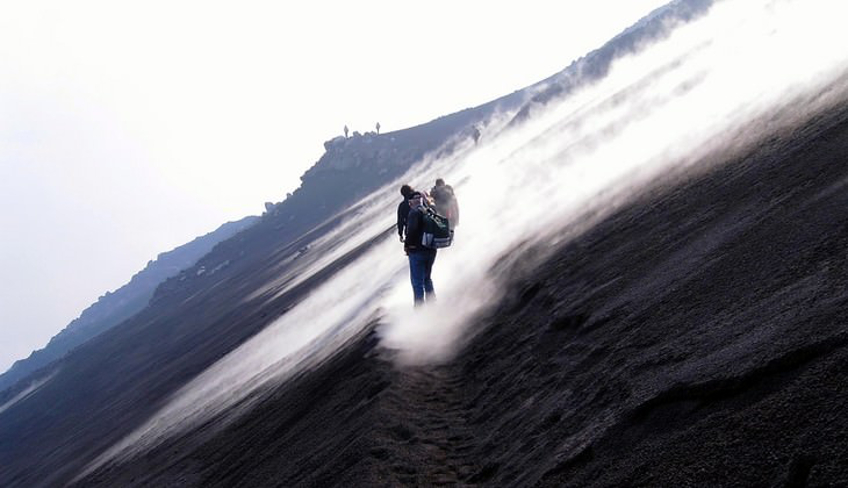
114, 307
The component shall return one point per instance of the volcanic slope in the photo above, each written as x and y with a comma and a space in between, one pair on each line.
695, 338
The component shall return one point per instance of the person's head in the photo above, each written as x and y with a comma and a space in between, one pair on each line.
406, 191
415, 199
440, 182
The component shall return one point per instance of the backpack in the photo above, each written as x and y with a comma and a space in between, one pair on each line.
436, 230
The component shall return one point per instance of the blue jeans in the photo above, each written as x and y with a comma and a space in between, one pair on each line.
420, 266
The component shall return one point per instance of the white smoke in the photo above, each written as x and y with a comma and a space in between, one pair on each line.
702, 90
705, 88
26, 393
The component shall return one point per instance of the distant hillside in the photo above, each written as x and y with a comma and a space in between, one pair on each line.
115, 307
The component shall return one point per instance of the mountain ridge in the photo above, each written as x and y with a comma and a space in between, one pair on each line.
115, 306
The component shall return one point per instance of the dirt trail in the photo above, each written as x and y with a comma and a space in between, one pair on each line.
424, 415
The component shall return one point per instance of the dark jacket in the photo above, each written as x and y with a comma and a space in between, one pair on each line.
414, 232
402, 214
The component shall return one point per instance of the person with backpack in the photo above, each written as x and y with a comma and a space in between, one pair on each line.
445, 202
421, 258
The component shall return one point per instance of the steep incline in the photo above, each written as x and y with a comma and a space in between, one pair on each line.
696, 338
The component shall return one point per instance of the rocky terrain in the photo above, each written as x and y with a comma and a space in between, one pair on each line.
696, 336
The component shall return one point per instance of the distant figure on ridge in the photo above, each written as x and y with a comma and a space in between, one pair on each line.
346, 131
475, 134
445, 202
378, 128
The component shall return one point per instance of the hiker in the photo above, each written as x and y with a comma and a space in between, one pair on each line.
403, 210
421, 258
445, 202
378, 128
346, 131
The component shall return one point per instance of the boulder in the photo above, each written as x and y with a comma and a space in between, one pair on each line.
334, 142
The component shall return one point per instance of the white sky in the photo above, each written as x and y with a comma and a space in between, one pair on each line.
129, 128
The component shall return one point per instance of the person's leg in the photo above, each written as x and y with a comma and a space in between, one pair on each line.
428, 281
416, 276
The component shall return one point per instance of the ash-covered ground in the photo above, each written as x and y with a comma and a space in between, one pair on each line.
696, 338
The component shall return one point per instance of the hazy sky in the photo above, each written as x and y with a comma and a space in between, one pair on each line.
129, 128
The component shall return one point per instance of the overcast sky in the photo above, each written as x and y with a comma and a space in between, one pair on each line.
129, 128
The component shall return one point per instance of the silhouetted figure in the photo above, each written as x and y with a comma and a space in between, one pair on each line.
403, 210
378, 128
346, 131
475, 134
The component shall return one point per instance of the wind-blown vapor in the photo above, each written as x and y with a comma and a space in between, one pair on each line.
28, 391
709, 90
